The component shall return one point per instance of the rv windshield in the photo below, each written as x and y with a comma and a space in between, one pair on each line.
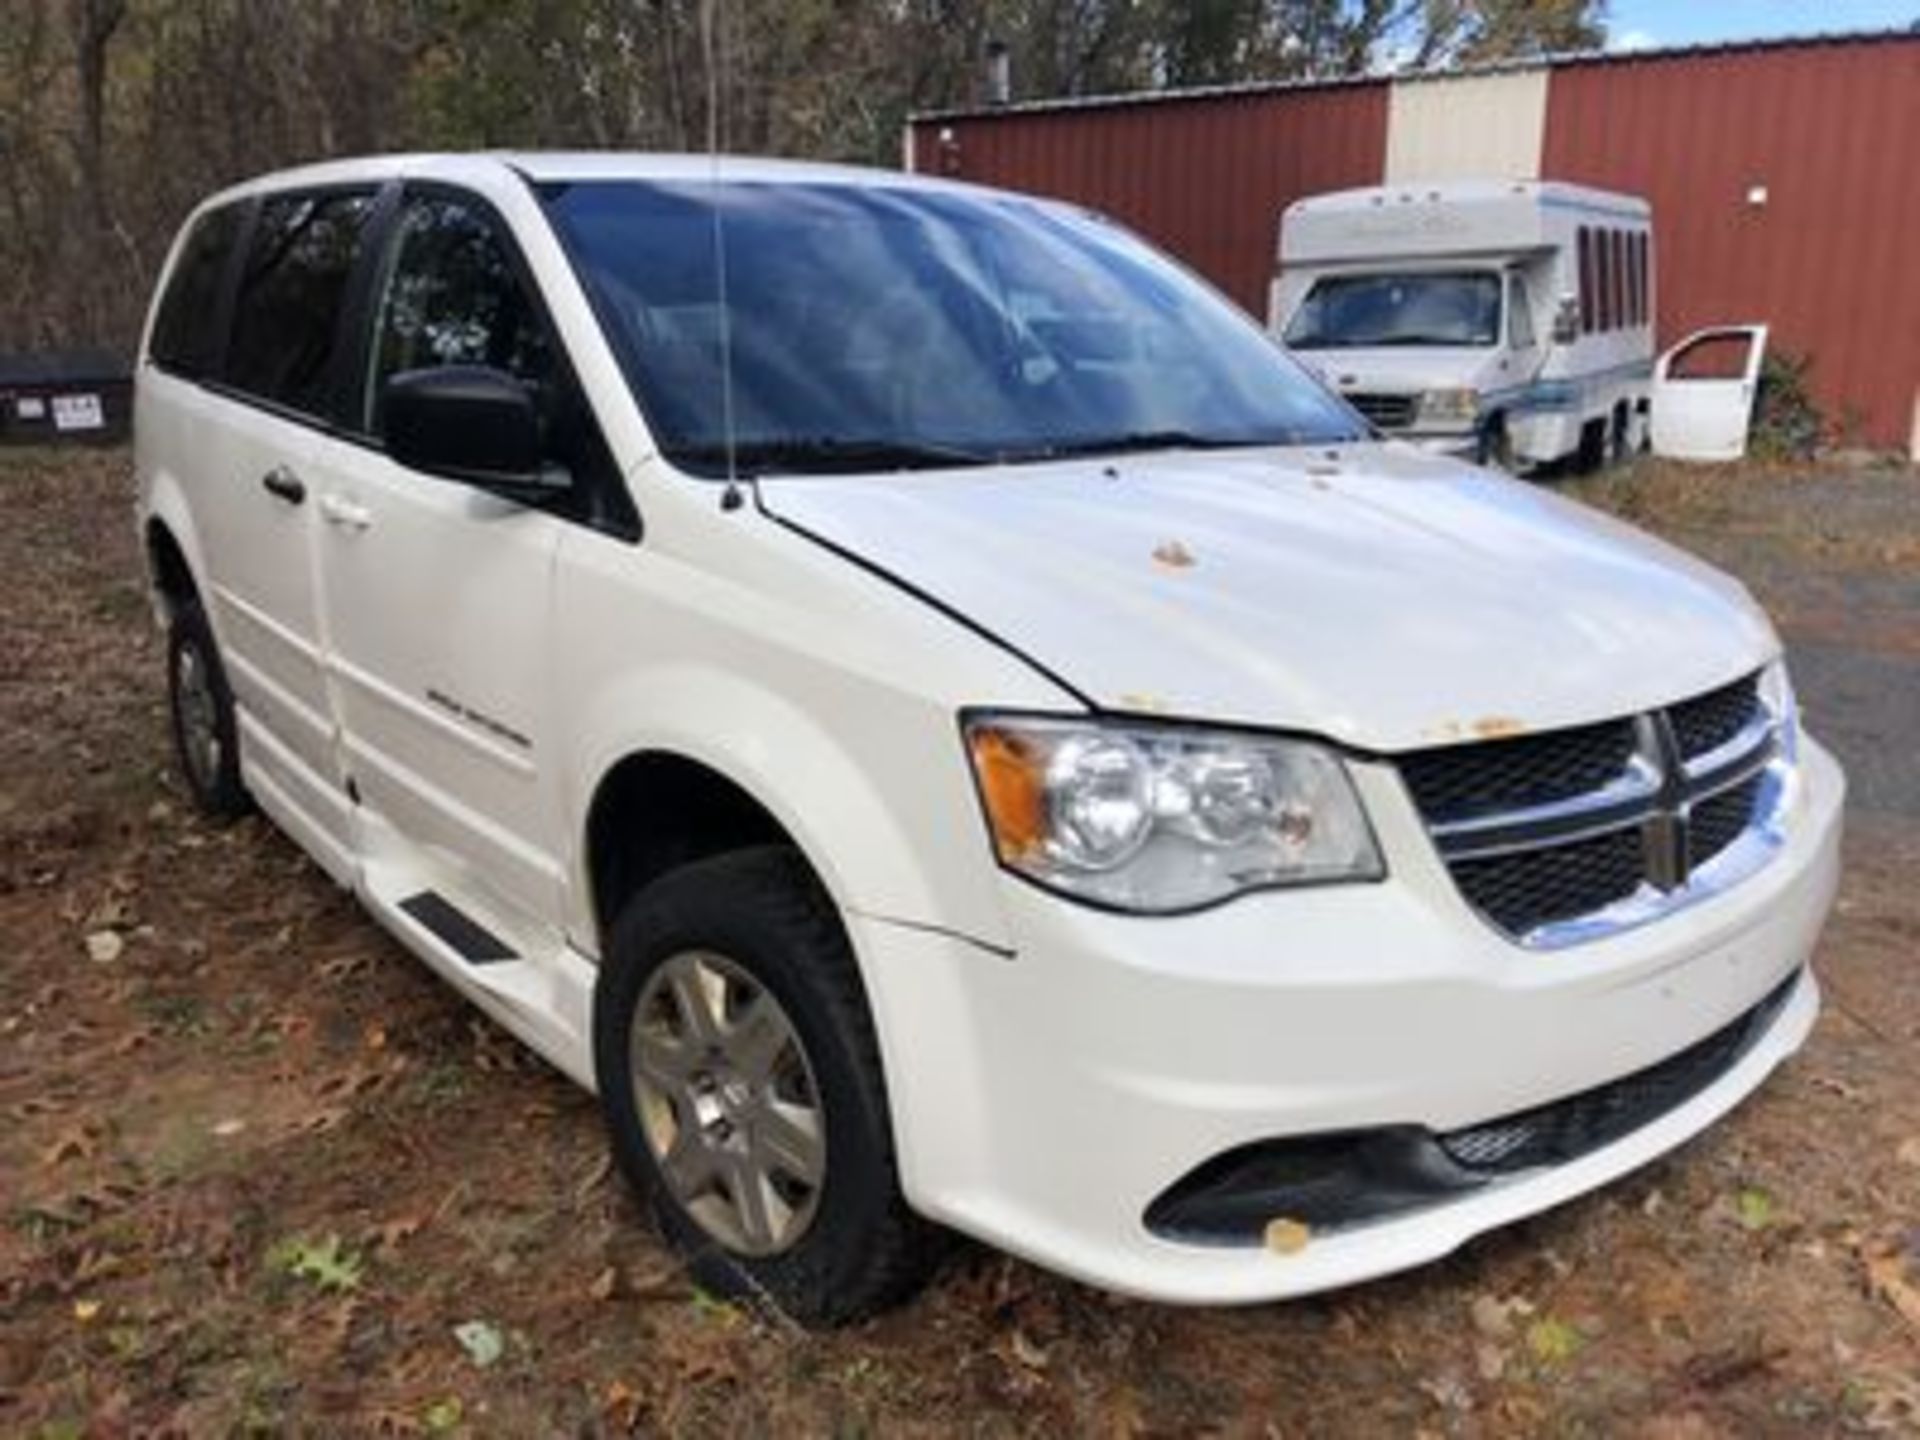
1346, 312
887, 327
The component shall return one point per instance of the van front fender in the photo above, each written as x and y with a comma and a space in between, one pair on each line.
893, 829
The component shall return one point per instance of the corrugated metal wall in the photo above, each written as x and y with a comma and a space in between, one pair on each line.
1206, 179
1832, 132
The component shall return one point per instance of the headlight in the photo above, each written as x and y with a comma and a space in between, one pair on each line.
1156, 818
1450, 406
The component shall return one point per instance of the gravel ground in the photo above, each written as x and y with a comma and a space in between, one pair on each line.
259, 1172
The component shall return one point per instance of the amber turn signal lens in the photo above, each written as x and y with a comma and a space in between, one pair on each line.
1013, 789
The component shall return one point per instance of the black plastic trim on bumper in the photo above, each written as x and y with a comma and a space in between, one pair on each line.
1350, 1178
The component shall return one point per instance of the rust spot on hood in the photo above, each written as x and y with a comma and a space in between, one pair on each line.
1495, 727
1173, 555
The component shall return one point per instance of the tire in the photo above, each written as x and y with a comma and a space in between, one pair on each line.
1592, 453
740, 929
200, 710
1496, 446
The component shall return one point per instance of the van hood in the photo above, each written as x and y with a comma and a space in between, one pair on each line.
1370, 594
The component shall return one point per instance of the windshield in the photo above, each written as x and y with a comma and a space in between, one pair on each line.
1344, 312
885, 327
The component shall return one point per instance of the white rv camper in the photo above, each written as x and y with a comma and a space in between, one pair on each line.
1508, 321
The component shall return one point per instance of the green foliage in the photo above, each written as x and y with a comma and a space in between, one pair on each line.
1788, 425
1755, 1208
326, 1264
1554, 1342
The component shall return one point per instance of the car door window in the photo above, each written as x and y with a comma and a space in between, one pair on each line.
1519, 314
287, 312
455, 296
186, 338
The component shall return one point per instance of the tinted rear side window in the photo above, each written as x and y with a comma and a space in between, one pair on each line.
186, 337
287, 311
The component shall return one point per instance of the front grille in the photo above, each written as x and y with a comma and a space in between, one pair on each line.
1389, 412
1530, 888
1721, 819
1566, 1129
1461, 782
1550, 836
1705, 724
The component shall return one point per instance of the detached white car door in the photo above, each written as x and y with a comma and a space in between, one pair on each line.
437, 594
1703, 393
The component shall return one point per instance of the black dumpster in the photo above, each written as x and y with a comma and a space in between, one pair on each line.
64, 397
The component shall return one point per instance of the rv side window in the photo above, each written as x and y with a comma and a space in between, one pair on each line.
1519, 314
1589, 283
1603, 273
1617, 245
1641, 276
1629, 261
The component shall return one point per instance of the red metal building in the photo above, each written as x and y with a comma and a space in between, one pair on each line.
1784, 176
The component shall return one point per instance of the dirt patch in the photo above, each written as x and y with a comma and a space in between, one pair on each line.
259, 1171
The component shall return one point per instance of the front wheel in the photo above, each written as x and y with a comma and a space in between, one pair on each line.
200, 706
741, 1085
1496, 445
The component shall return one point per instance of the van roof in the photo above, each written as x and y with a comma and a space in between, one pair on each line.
542, 166
1550, 193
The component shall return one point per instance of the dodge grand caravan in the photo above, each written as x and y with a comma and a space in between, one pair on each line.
935, 719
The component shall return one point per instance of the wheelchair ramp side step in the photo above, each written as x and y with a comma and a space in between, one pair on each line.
456, 929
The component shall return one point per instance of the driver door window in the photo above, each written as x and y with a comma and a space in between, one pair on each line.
453, 298
1519, 314
454, 295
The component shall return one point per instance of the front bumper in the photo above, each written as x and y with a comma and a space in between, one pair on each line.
1043, 1100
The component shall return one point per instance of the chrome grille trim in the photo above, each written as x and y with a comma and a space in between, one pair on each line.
1655, 796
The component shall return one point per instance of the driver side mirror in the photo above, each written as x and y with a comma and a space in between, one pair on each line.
470, 423
1566, 320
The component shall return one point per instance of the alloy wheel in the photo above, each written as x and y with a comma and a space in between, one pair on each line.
728, 1103
199, 716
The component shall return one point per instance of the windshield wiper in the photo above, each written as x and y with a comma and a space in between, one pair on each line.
823, 454
1137, 440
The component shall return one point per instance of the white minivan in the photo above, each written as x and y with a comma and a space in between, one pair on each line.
1505, 321
942, 725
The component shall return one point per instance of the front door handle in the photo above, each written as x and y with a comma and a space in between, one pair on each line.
347, 514
283, 484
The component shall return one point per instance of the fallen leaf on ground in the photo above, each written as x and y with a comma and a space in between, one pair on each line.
1026, 1352
1755, 1208
1490, 1360
1494, 1317
481, 1340
604, 1284
80, 1142
326, 1263
1893, 1273
1554, 1341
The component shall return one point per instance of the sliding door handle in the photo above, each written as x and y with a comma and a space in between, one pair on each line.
347, 514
